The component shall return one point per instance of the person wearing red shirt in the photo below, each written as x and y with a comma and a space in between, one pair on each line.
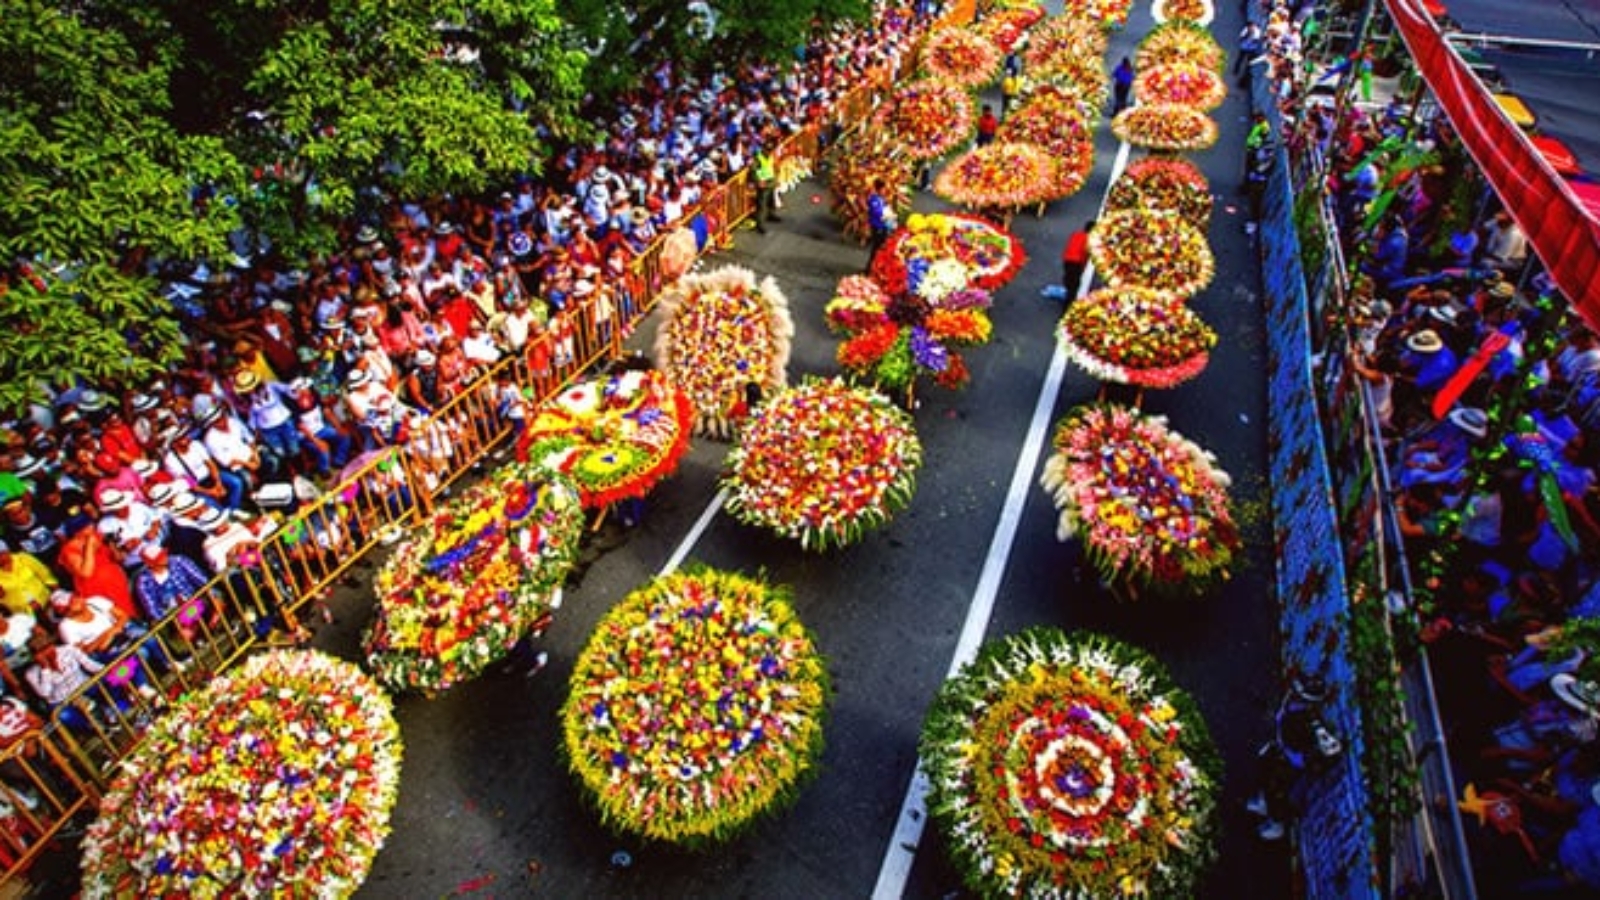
987, 126
1074, 258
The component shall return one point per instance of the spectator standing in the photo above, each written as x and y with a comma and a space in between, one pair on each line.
880, 218
765, 172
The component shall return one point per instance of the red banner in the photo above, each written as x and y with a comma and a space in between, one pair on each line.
1562, 231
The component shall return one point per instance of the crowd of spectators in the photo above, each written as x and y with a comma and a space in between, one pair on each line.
1494, 486
119, 506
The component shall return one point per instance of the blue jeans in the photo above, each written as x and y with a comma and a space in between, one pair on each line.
234, 483
338, 452
282, 440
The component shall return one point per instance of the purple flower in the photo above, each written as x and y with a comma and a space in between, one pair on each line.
966, 298
928, 353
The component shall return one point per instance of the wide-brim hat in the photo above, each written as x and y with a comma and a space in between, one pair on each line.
640, 216
144, 468
1583, 696
112, 499
444, 228
358, 377
184, 503
212, 414
162, 492
143, 403
1470, 419
1502, 290
1444, 314
212, 519
28, 464
366, 234
92, 401
424, 358
246, 381
1425, 341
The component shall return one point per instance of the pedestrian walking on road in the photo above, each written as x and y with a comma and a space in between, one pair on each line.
1074, 259
1121, 84
880, 218
987, 126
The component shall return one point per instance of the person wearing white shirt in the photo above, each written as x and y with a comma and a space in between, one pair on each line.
190, 462
128, 525
231, 446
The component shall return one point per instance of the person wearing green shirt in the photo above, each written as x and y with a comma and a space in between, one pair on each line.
765, 171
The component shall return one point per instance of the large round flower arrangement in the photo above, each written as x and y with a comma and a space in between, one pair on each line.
1071, 766
1112, 14
1200, 12
276, 779
825, 463
1186, 84
1063, 34
1055, 120
1179, 42
864, 158
926, 118
696, 707
1150, 505
1083, 75
1136, 336
1157, 250
1155, 184
615, 436
1165, 126
721, 331
998, 176
989, 256
468, 584
893, 339
1006, 26
960, 56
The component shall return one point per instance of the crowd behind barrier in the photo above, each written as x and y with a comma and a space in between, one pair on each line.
349, 490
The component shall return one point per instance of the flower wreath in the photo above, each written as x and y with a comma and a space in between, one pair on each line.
823, 462
696, 708
1108, 14
473, 580
1165, 126
1186, 84
277, 778
1071, 766
1063, 34
1136, 336
863, 158
1161, 251
1150, 505
998, 176
926, 118
960, 56
1055, 120
1005, 26
615, 436
719, 332
1156, 184
1179, 41
1200, 12
990, 256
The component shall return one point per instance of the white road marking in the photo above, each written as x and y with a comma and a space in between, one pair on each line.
693, 537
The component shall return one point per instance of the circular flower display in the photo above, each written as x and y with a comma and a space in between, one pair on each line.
1006, 26
1151, 507
1063, 34
1157, 250
895, 338
989, 255
1179, 42
1071, 766
1155, 184
1055, 120
614, 436
1136, 336
823, 462
1110, 14
275, 779
1185, 84
719, 332
474, 579
1084, 76
865, 157
696, 707
1165, 126
926, 118
1200, 12
1003, 176
961, 56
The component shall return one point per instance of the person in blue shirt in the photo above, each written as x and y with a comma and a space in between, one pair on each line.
880, 218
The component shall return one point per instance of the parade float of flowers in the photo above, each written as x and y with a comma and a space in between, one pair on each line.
696, 708
1084, 76
1136, 336
823, 463
865, 157
276, 779
475, 578
926, 118
1054, 119
1157, 250
1200, 12
1071, 766
719, 332
1155, 184
959, 56
1185, 84
792, 167
1007, 25
1165, 126
1108, 14
998, 176
1179, 42
1063, 35
1150, 505
989, 256
615, 436
893, 338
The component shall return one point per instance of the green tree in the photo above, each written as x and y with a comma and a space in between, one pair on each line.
94, 182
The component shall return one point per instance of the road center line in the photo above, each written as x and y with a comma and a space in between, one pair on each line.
902, 849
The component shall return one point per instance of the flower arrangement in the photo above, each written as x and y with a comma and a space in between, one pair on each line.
864, 157
275, 779
792, 168
474, 579
1165, 126
1185, 84
959, 56
823, 462
926, 118
990, 256
1151, 507
1005, 26
1054, 119
696, 708
894, 338
998, 176
1157, 250
719, 332
615, 436
1200, 12
1084, 76
1071, 766
1063, 35
1136, 336
1108, 14
1179, 41
1157, 184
